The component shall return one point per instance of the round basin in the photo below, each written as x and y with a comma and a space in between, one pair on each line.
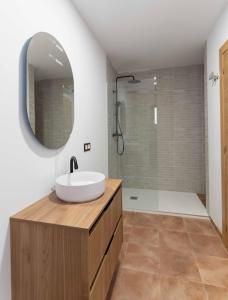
80, 186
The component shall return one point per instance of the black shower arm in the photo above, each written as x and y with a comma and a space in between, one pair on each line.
124, 76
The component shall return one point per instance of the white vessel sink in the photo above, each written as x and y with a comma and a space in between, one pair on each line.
80, 186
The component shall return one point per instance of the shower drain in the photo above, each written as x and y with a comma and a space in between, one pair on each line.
133, 198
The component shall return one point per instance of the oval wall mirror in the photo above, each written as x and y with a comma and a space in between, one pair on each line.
50, 91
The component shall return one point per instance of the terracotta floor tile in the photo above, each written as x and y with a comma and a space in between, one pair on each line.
123, 251
147, 219
135, 285
170, 258
128, 218
175, 263
213, 270
208, 245
178, 241
199, 226
137, 248
144, 235
142, 257
178, 289
216, 293
172, 223
126, 231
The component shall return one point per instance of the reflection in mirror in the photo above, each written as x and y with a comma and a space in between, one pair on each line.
50, 91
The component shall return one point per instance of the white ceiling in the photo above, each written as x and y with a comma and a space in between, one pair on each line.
150, 34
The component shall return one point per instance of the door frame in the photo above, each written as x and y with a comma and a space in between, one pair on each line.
223, 49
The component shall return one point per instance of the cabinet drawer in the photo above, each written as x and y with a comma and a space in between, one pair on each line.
102, 282
101, 234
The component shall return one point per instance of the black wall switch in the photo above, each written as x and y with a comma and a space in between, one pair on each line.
87, 147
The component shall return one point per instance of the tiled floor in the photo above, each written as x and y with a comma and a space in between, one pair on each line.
170, 258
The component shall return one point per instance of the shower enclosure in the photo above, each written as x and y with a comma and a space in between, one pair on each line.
162, 123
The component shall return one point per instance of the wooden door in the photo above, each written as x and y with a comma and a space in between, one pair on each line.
224, 137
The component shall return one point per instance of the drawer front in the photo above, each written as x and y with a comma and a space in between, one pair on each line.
112, 215
102, 282
102, 233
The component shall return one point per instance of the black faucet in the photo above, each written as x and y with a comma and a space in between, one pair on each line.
73, 164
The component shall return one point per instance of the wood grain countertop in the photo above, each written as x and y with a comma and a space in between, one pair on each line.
52, 210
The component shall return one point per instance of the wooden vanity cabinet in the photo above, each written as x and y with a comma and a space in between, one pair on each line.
62, 251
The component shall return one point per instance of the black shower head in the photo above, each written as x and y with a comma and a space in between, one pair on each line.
134, 81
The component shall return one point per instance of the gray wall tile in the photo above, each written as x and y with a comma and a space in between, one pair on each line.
169, 156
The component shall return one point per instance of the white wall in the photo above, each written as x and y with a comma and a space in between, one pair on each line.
216, 39
27, 170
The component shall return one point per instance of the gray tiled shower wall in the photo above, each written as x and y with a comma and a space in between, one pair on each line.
169, 155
